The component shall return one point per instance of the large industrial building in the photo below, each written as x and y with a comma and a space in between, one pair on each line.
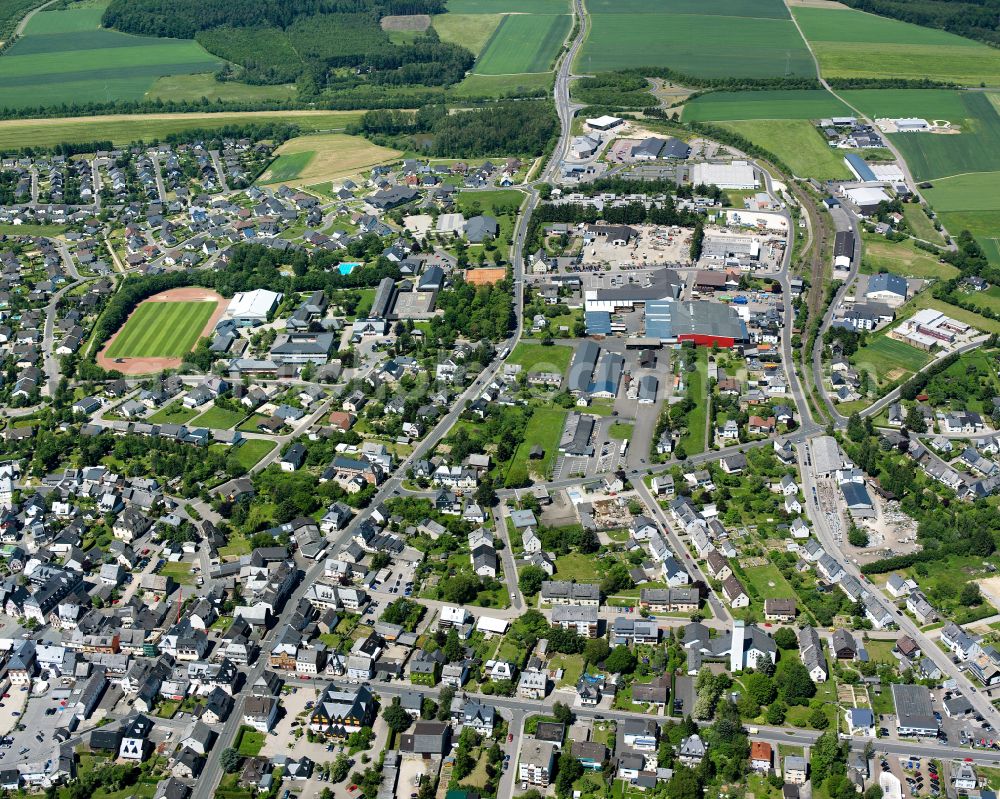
737, 175
700, 321
252, 307
663, 284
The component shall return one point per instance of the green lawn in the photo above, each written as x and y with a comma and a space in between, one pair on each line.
179, 571
174, 413
921, 225
250, 425
252, 450
219, 418
853, 44
881, 355
64, 56
524, 43
544, 428
697, 420
769, 582
572, 666
161, 330
902, 258
798, 143
781, 104
620, 430
541, 358
577, 567
249, 742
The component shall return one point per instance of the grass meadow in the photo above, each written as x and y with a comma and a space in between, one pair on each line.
64, 56
508, 6
798, 143
194, 87
524, 43
540, 358
902, 258
733, 106
318, 158
853, 44
162, 330
503, 85
471, 31
984, 225
882, 355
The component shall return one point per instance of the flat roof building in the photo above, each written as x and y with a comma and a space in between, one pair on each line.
253, 306
700, 321
737, 175
914, 712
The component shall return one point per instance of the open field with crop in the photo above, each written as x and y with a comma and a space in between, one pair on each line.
314, 159
126, 128
64, 56
979, 191
194, 87
984, 225
975, 149
763, 9
161, 330
471, 31
656, 33
796, 142
524, 43
893, 103
852, 44
508, 6
732, 106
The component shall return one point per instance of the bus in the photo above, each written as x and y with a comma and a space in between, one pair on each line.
624, 448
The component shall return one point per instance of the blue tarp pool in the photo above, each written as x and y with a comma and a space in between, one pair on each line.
346, 269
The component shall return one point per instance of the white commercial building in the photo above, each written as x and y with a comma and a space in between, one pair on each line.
737, 175
253, 306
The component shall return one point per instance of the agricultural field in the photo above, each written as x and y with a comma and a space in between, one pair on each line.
318, 158
854, 44
893, 103
798, 143
903, 259
979, 191
524, 43
64, 56
696, 38
984, 225
126, 128
733, 106
194, 87
471, 31
161, 330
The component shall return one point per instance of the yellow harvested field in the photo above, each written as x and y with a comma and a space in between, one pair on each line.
334, 155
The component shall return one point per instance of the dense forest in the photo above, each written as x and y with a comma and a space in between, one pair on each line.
974, 19
308, 42
513, 128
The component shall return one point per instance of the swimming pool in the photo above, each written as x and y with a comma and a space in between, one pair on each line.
347, 268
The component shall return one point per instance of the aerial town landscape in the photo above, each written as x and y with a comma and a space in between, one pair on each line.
500, 399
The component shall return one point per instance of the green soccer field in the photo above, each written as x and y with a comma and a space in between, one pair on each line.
162, 330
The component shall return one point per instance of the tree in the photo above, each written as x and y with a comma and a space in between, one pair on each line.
818, 719
785, 638
230, 760
341, 768
461, 588
444, 702
776, 714
396, 718
793, 681
531, 579
562, 713
826, 753
569, 771
620, 661
452, 646
760, 688
684, 784
856, 428
915, 420
380, 560
596, 650
857, 537
970, 595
